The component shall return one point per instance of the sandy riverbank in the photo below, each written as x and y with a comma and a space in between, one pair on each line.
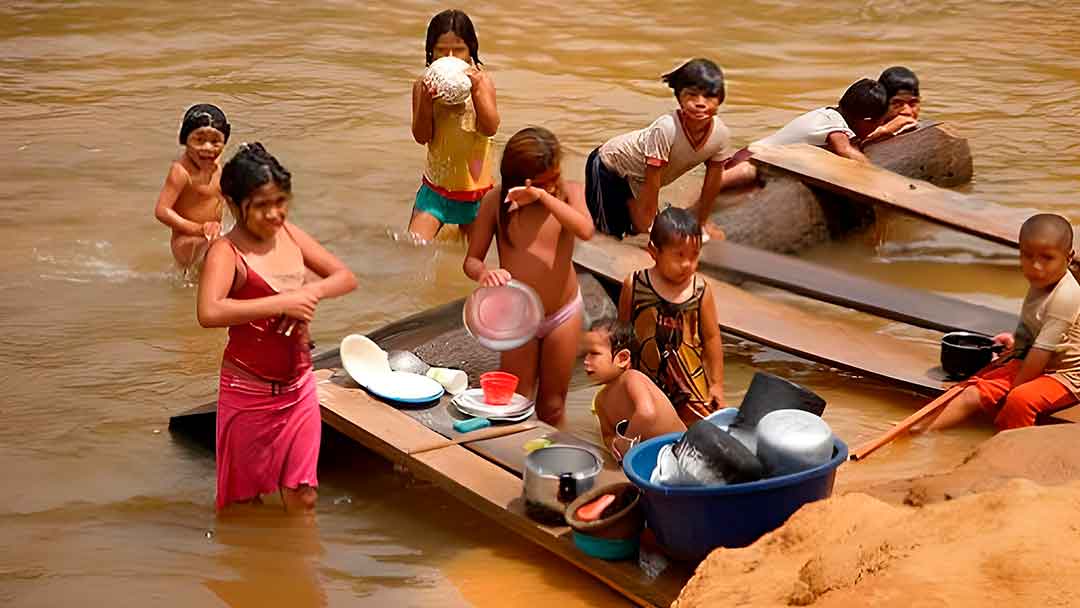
1000, 529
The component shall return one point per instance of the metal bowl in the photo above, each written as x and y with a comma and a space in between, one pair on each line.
790, 441
555, 476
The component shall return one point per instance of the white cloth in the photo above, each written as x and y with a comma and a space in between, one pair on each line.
691, 471
668, 472
811, 128
664, 141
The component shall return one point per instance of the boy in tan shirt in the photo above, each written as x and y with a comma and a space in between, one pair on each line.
1040, 370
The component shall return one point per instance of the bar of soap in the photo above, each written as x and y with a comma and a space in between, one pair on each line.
464, 426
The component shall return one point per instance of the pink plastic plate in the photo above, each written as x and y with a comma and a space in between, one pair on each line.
503, 318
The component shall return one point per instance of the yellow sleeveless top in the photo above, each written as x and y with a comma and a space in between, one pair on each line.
458, 157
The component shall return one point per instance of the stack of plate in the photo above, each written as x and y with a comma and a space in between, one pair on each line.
471, 403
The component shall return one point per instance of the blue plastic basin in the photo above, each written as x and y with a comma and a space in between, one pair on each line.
691, 521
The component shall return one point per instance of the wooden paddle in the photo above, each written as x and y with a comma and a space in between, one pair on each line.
488, 433
871, 446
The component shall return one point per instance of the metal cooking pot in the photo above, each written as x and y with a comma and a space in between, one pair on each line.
964, 353
555, 476
789, 441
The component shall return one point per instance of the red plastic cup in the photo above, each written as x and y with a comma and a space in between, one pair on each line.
498, 387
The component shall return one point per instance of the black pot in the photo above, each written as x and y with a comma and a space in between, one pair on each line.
768, 393
964, 353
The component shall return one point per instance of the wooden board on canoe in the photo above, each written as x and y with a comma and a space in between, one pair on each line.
485, 474
786, 328
871, 184
492, 485
912, 306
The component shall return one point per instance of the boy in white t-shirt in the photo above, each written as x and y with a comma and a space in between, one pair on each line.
623, 177
837, 129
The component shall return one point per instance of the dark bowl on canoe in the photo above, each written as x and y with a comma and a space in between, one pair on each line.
964, 353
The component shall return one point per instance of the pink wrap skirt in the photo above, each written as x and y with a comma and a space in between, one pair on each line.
268, 436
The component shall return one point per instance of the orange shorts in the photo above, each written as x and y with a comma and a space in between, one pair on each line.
1015, 407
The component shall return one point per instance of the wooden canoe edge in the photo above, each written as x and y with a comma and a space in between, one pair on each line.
481, 484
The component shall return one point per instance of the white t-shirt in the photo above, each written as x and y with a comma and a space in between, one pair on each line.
811, 128
664, 143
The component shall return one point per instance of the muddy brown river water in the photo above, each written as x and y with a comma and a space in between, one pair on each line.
99, 343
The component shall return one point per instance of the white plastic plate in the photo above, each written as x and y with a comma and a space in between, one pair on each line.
404, 387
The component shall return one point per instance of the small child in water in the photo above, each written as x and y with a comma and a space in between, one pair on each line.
839, 130
673, 313
1040, 371
623, 177
629, 407
190, 201
458, 137
535, 217
902, 89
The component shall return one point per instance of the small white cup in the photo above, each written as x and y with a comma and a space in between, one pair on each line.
454, 381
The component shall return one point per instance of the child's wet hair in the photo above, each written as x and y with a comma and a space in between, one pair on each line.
865, 99
203, 115
1049, 226
457, 22
531, 151
698, 73
898, 78
674, 225
620, 333
251, 168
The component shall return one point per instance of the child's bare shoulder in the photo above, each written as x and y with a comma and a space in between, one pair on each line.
638, 379
600, 399
221, 247
178, 170
489, 203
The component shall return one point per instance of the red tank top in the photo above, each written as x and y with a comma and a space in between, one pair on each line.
256, 346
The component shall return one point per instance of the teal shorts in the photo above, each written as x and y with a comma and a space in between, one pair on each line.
446, 210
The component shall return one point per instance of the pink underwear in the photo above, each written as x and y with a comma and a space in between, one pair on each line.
557, 318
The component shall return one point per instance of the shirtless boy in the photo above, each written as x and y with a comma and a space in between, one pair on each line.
629, 407
190, 201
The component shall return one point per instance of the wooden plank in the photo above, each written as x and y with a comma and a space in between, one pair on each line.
483, 485
490, 432
786, 328
912, 306
871, 184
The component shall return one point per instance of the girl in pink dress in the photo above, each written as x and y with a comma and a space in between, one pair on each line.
268, 425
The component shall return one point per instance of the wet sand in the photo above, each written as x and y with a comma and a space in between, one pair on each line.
1000, 528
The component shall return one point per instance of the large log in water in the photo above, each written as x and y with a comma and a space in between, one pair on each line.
785, 215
